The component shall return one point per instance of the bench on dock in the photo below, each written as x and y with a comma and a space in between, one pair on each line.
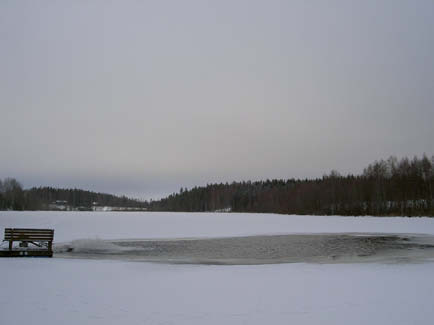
41, 239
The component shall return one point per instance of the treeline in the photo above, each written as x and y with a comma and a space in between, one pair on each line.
41, 197
386, 187
13, 197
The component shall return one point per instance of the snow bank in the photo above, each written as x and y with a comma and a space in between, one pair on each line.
127, 225
71, 292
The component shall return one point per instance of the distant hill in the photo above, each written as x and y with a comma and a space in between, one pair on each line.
38, 198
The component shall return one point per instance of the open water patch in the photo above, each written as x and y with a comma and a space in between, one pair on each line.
315, 248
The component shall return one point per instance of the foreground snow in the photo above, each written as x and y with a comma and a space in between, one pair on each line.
123, 225
75, 291
57, 291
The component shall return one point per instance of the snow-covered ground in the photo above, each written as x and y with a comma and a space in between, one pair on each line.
124, 225
75, 291
71, 292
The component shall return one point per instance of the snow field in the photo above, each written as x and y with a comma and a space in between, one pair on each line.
57, 291
138, 225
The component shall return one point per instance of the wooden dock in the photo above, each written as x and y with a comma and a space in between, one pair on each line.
41, 241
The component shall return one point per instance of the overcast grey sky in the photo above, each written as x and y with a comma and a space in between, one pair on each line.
143, 97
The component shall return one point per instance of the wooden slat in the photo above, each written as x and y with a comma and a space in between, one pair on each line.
25, 236
29, 230
26, 233
28, 238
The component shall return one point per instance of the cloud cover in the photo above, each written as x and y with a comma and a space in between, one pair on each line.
144, 97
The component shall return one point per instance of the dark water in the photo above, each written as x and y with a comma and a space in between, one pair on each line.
315, 248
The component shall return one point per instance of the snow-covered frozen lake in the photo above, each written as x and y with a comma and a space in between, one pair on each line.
91, 291
141, 225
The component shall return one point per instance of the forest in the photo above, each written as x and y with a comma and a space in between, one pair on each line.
389, 187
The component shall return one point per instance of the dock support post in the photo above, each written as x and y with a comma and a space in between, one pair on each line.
12, 240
